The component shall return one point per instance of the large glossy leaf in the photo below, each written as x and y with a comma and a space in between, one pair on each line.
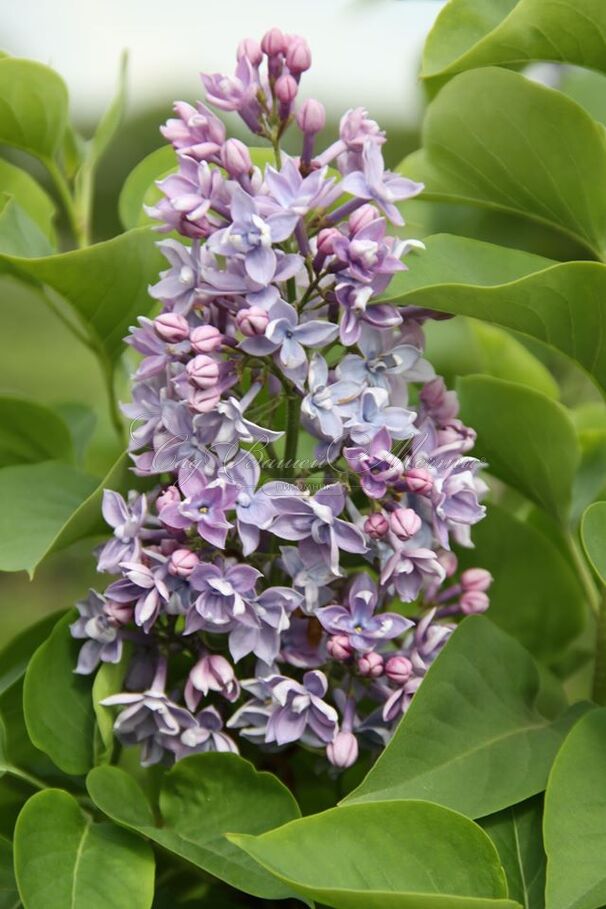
9, 897
391, 855
33, 107
575, 819
562, 305
57, 703
535, 595
479, 735
105, 284
30, 196
593, 534
37, 499
473, 33
15, 656
202, 798
63, 860
30, 433
527, 440
517, 834
493, 138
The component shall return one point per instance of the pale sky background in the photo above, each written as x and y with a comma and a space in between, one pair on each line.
366, 52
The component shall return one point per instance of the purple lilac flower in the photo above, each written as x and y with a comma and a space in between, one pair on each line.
374, 183
221, 587
99, 626
127, 521
299, 708
358, 620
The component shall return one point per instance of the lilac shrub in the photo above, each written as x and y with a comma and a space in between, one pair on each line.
289, 577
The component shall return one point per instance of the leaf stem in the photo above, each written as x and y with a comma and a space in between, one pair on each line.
63, 191
292, 433
584, 574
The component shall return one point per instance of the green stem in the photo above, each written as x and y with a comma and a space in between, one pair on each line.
112, 401
292, 433
78, 230
599, 672
583, 573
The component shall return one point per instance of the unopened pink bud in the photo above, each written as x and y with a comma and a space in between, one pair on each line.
204, 400
376, 525
206, 339
405, 523
339, 647
121, 613
371, 665
298, 56
476, 579
362, 217
274, 42
182, 562
398, 669
326, 239
252, 321
311, 117
448, 561
211, 673
169, 496
203, 371
171, 327
473, 601
251, 49
286, 89
343, 750
235, 158
418, 480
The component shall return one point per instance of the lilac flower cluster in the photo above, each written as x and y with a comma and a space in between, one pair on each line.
310, 469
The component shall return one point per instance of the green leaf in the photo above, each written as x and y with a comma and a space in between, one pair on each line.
30, 433
30, 197
535, 595
562, 305
593, 534
513, 423
80, 421
575, 821
65, 861
105, 284
9, 897
33, 107
480, 734
202, 798
139, 187
19, 234
391, 855
38, 500
57, 703
517, 834
493, 138
15, 655
108, 680
473, 33
590, 480
110, 121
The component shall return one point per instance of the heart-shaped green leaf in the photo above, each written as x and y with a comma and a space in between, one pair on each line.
390, 855
575, 818
593, 534
517, 834
15, 656
30, 196
30, 433
105, 284
562, 305
57, 703
473, 33
33, 107
63, 860
202, 798
535, 596
9, 897
480, 734
481, 140
527, 440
